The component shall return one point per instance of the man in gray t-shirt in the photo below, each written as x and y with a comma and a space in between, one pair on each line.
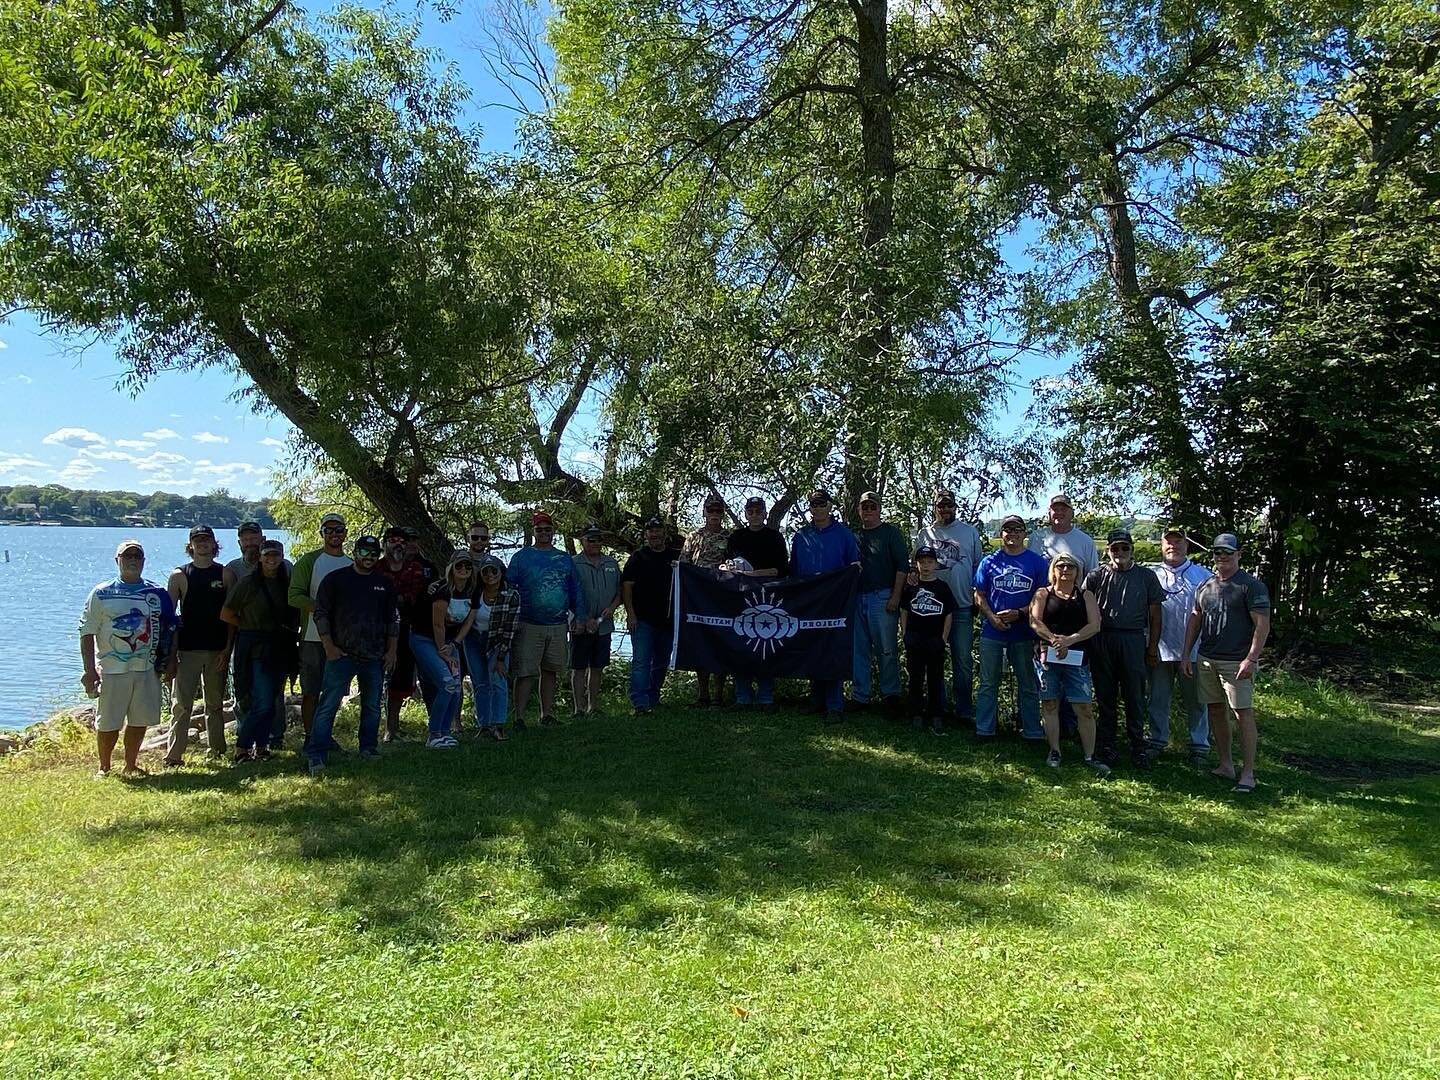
1231, 621
1062, 535
1128, 645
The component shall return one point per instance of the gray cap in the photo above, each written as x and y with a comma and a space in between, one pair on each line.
1226, 542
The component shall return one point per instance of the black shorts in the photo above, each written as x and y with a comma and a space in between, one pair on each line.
589, 651
402, 679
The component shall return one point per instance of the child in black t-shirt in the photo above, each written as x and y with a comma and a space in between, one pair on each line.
927, 609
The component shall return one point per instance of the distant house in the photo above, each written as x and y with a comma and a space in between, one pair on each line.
139, 521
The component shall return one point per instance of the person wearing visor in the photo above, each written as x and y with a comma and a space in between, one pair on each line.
487, 646
1230, 623
440, 619
198, 591
262, 636
1064, 617
127, 632
358, 624
309, 572
1127, 649
1005, 583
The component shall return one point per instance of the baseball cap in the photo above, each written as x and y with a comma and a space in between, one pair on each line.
540, 517
1226, 542
944, 495
272, 545
820, 497
127, 545
411, 533
925, 551
461, 556
489, 562
1065, 557
394, 531
1061, 500
592, 532
249, 526
868, 496
332, 518
653, 522
367, 545
1011, 519
714, 502
1119, 536
1174, 530
754, 500
202, 530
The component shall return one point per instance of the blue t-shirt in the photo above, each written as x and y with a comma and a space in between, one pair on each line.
548, 585
1009, 581
817, 551
132, 622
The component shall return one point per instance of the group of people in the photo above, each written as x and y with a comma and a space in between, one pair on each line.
1081, 637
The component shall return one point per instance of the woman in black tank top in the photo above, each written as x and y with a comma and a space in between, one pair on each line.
1063, 615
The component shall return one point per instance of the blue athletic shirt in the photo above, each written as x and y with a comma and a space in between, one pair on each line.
1009, 581
816, 551
548, 585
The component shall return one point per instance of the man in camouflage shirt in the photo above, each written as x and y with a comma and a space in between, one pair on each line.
706, 547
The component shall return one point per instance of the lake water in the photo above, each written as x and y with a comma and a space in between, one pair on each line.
43, 585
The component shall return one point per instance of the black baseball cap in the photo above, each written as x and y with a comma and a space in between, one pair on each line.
820, 497
1119, 536
367, 545
248, 526
714, 502
394, 531
1010, 519
592, 532
202, 530
925, 551
654, 522
271, 545
754, 500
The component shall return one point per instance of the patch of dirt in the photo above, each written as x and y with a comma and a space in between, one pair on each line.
1343, 769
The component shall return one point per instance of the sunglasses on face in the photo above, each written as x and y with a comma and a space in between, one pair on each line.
1012, 529
1119, 547
328, 529
479, 538
464, 568
1221, 553
945, 505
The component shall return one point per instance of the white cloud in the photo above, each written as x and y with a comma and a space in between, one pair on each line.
234, 468
20, 461
105, 455
3, 345
161, 433
159, 461
209, 437
79, 470
134, 444
23, 380
271, 442
74, 437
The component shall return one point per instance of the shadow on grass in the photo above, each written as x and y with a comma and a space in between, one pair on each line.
703, 819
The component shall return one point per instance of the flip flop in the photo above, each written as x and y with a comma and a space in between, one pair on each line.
1242, 789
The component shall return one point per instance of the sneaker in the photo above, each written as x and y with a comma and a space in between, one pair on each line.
263, 754
316, 770
370, 755
1141, 761
243, 757
938, 728
520, 724
917, 721
548, 721
832, 716
1199, 758
101, 774
450, 740
1097, 766
387, 737
435, 742
1053, 759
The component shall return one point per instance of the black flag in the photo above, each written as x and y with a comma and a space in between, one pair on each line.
764, 627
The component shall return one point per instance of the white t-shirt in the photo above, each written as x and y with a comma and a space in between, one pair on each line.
1076, 542
482, 618
325, 564
129, 621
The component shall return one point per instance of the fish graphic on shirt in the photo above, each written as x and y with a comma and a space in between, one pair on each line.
133, 628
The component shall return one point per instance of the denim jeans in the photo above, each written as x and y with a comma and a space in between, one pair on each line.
492, 690
443, 701
264, 683
828, 694
1163, 678
876, 631
962, 663
338, 676
754, 691
244, 677
649, 661
992, 665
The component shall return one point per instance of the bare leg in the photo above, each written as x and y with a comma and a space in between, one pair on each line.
547, 693
1245, 721
1050, 717
134, 736
1220, 729
577, 689
105, 744
522, 697
596, 675
1085, 725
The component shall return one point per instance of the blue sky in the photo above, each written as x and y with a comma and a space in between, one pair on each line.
63, 419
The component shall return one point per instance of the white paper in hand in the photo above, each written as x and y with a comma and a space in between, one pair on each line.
1072, 658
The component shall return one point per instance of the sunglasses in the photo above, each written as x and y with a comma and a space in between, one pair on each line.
1119, 547
479, 538
1222, 552
945, 505
463, 567
328, 529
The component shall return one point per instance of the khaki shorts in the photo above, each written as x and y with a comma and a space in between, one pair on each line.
538, 648
128, 698
1215, 682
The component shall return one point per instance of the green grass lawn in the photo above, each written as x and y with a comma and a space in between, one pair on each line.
724, 894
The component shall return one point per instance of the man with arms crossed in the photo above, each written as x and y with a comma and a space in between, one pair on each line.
1231, 621
126, 638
